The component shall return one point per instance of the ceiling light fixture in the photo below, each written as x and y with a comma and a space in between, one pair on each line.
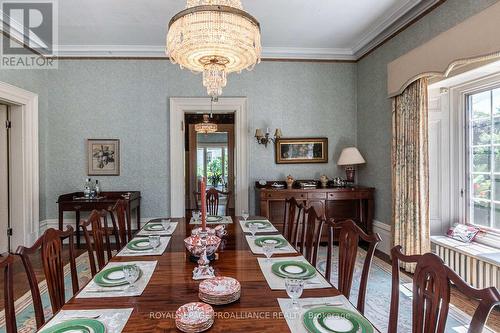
214, 37
206, 126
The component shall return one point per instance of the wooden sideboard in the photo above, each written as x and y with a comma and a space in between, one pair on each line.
339, 203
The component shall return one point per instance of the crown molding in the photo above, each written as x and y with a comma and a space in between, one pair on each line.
154, 51
400, 18
395, 23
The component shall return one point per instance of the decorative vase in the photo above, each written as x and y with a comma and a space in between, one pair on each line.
289, 181
324, 181
196, 247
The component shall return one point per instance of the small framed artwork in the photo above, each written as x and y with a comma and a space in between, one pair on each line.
305, 150
103, 157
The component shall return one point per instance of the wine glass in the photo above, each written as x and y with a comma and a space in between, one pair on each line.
253, 228
268, 249
196, 215
154, 241
245, 214
294, 289
131, 273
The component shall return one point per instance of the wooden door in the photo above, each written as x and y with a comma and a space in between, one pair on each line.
192, 164
4, 174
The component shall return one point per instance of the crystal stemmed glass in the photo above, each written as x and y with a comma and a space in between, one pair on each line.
154, 241
294, 289
268, 249
131, 273
253, 228
245, 214
196, 215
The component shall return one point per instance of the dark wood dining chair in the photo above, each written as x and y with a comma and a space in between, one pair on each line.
293, 218
348, 234
97, 240
6, 262
311, 235
50, 245
121, 221
432, 282
212, 199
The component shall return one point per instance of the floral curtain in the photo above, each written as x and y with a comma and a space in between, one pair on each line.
410, 170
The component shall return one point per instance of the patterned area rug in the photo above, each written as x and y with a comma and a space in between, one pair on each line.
378, 296
25, 313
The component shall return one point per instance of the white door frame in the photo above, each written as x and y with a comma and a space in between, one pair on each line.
24, 173
178, 107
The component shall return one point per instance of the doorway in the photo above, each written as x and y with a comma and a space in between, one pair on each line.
4, 179
210, 155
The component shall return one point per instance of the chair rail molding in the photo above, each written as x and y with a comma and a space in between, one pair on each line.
181, 105
24, 164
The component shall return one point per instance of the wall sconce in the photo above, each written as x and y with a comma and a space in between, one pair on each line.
265, 139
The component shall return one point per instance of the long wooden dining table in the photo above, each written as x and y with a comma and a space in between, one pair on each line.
172, 285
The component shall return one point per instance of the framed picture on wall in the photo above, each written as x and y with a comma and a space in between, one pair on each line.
103, 157
303, 150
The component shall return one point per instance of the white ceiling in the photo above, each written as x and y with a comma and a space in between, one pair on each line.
315, 29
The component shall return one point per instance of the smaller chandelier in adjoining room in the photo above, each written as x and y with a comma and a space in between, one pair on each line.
206, 126
214, 37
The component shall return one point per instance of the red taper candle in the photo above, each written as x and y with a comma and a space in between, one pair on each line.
203, 189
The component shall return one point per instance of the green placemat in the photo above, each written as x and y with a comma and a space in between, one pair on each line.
77, 325
317, 320
293, 269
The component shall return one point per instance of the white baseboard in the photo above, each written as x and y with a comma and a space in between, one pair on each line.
384, 230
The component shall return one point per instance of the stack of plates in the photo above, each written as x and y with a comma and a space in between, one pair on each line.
220, 290
194, 317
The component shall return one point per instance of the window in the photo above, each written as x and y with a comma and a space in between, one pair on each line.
483, 158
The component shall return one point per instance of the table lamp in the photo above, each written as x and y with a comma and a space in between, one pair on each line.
349, 158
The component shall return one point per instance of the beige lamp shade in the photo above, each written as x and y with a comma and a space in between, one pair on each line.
259, 133
350, 156
278, 133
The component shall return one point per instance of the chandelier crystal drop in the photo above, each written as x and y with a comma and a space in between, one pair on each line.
206, 126
214, 37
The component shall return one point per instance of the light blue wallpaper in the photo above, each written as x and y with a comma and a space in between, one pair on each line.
374, 108
128, 100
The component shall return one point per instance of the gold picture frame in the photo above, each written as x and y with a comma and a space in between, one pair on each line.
301, 150
103, 157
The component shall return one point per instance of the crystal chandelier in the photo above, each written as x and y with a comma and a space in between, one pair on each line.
214, 37
206, 126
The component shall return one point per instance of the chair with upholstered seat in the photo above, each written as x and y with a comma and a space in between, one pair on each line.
50, 245
8, 293
97, 240
348, 235
432, 283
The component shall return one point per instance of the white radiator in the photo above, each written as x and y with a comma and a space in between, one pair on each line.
467, 261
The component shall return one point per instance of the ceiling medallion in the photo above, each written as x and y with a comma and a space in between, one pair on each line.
206, 126
214, 37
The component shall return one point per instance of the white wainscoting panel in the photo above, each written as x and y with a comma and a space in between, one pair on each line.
385, 233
